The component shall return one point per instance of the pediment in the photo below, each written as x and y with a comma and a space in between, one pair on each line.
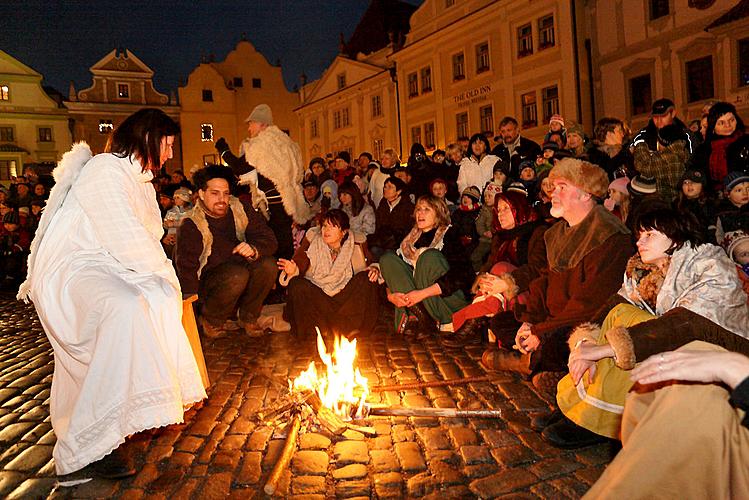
9, 65
355, 71
121, 61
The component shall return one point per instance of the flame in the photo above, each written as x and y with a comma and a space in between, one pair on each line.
342, 386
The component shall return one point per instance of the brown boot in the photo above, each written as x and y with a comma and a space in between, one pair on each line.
427, 324
504, 360
210, 330
470, 332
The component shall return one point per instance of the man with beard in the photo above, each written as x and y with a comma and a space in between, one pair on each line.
224, 254
513, 148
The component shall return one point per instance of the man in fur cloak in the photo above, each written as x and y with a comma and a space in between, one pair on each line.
271, 163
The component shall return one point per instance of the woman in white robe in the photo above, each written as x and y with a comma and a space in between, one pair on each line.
109, 299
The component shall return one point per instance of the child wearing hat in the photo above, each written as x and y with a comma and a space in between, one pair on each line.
693, 198
617, 201
556, 126
736, 245
182, 203
733, 210
464, 218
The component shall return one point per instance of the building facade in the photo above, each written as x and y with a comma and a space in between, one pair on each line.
33, 126
467, 64
122, 84
692, 51
219, 96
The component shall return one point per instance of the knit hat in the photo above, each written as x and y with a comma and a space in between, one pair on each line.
693, 175
492, 187
620, 184
183, 194
517, 187
732, 239
575, 128
521, 209
661, 107
641, 185
586, 176
550, 145
261, 114
473, 193
503, 166
314, 160
344, 155
11, 218
733, 179
526, 164
557, 118
23, 210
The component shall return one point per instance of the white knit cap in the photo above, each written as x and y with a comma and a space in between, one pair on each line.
261, 114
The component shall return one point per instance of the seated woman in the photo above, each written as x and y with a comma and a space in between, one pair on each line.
329, 283
518, 252
675, 290
394, 217
683, 439
360, 213
430, 274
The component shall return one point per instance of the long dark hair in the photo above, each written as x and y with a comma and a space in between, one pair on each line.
716, 111
478, 137
140, 136
357, 200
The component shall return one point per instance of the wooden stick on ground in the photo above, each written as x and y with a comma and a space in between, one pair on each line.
435, 383
283, 461
434, 412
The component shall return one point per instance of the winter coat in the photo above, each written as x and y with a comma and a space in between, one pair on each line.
737, 159
619, 165
464, 224
729, 217
364, 222
392, 225
649, 136
526, 150
476, 173
523, 247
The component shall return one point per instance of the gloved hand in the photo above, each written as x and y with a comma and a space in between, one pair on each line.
221, 145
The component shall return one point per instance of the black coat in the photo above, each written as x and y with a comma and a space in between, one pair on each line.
527, 149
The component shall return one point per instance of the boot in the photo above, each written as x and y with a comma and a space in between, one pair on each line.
541, 422
504, 360
427, 324
470, 332
568, 435
117, 465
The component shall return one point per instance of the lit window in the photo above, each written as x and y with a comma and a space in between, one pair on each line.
105, 126
459, 67
461, 124
482, 57
640, 95
238, 82
207, 95
659, 8
257, 83
313, 131
426, 79
486, 115
525, 40
206, 132
416, 135
743, 62
376, 106
529, 112
6, 134
123, 91
550, 102
546, 32
429, 135
413, 85
4, 93
341, 79
45, 134
700, 79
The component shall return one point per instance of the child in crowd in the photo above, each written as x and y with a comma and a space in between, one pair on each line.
485, 226
693, 198
545, 161
464, 218
36, 215
438, 188
15, 242
501, 174
736, 245
733, 211
618, 200
556, 126
182, 203
528, 176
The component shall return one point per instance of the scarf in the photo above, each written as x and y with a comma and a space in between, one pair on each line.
330, 275
718, 159
642, 283
408, 250
567, 246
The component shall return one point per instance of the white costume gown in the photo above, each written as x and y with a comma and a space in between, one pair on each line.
110, 303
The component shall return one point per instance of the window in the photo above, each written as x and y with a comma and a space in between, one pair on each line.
482, 57
345, 117
525, 40
416, 134
4, 93
528, 107
378, 147
45, 134
105, 126
426, 79
486, 115
546, 32
429, 135
376, 106
459, 67
337, 119
640, 95
341, 118
659, 8
550, 102
461, 124
700, 79
7, 169
413, 85
206, 132
6, 134
743, 62
238, 82
257, 83
449, 3
341, 79
313, 130
207, 95
123, 91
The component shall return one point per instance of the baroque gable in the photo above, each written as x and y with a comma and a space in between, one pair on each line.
354, 71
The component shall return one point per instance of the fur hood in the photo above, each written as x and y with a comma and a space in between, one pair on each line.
276, 157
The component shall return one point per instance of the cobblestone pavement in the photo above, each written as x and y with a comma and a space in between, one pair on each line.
222, 451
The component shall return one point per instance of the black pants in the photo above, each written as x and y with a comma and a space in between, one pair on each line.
280, 222
236, 285
356, 307
551, 355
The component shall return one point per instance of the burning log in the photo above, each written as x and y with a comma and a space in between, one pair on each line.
435, 383
283, 461
430, 412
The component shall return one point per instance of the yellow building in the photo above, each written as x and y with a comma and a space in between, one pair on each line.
691, 51
353, 106
33, 126
122, 84
468, 63
219, 96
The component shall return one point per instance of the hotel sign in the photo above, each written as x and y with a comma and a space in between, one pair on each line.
473, 95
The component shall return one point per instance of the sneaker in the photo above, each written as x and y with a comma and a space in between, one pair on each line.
209, 330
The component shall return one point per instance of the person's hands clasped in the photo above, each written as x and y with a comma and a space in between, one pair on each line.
414, 297
398, 299
696, 366
525, 340
287, 266
247, 251
491, 284
373, 274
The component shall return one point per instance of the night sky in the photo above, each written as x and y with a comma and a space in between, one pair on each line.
63, 39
